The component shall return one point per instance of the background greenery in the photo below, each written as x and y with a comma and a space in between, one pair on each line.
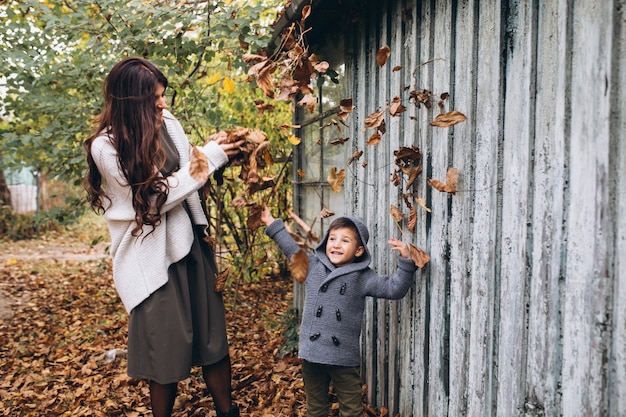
56, 54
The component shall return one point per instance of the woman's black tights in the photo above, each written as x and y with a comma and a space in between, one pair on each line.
218, 381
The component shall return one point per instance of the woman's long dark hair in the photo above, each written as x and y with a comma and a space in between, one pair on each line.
131, 120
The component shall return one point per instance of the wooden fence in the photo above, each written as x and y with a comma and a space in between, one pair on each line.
521, 310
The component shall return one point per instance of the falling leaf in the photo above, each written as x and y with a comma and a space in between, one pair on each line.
262, 106
448, 119
310, 101
339, 141
396, 213
301, 173
364, 164
395, 178
452, 177
374, 120
382, 55
306, 12
356, 155
298, 265
412, 219
396, 68
374, 139
396, 107
422, 97
310, 235
294, 140
321, 66
418, 256
422, 203
414, 172
335, 179
228, 85
325, 213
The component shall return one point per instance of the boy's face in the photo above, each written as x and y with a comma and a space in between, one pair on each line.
343, 246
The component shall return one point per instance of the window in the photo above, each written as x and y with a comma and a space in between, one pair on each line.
321, 149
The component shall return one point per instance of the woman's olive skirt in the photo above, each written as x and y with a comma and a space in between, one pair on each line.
180, 325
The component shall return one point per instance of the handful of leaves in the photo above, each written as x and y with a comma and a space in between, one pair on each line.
254, 152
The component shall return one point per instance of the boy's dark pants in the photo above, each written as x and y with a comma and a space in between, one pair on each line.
347, 383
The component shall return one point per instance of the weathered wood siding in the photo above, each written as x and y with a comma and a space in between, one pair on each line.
522, 308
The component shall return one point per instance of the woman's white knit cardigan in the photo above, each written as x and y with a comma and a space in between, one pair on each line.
140, 263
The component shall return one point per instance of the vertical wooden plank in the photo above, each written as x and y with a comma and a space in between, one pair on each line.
423, 76
543, 364
485, 216
380, 212
369, 86
518, 144
413, 329
396, 127
439, 163
617, 376
462, 99
585, 312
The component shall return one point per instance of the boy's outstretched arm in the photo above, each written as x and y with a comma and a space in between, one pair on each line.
399, 246
266, 216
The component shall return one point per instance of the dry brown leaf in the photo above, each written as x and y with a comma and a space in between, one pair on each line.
418, 256
254, 219
374, 139
396, 107
452, 177
262, 107
301, 173
335, 179
355, 156
382, 55
321, 67
396, 213
220, 280
304, 226
325, 213
374, 120
422, 203
413, 173
298, 265
310, 101
199, 166
412, 219
395, 178
396, 68
448, 119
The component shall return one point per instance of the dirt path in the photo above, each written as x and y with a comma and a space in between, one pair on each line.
44, 250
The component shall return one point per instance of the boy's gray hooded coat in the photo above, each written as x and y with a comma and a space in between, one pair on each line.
335, 297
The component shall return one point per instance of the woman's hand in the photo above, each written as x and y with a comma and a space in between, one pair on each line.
231, 149
400, 246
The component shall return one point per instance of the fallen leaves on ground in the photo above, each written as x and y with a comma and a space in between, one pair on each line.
62, 352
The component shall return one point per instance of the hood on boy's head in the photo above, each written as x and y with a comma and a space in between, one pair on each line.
364, 235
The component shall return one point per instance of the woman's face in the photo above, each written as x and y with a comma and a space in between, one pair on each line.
160, 101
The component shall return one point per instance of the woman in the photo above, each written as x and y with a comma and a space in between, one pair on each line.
144, 176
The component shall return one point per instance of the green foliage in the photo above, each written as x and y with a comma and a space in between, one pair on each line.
57, 53
16, 226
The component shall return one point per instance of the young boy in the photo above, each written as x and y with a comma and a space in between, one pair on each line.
338, 280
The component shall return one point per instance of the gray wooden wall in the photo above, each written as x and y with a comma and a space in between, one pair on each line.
522, 309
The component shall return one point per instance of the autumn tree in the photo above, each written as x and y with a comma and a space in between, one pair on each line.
57, 53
